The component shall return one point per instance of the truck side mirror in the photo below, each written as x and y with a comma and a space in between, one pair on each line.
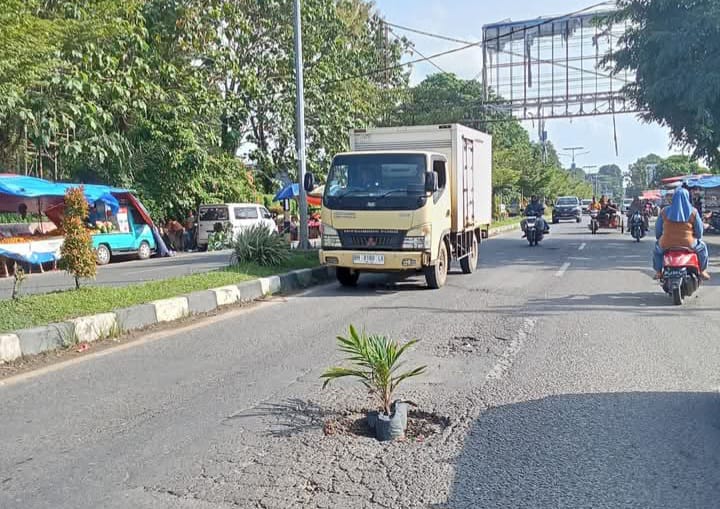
309, 182
431, 183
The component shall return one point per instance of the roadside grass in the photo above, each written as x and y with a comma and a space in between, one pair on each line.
34, 310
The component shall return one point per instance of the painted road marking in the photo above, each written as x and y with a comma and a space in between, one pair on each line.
582, 246
562, 270
507, 359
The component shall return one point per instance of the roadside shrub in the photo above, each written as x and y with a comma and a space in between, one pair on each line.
78, 256
259, 245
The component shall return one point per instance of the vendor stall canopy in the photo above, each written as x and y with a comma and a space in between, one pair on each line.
38, 194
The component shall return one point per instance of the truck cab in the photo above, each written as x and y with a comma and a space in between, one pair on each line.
408, 209
123, 233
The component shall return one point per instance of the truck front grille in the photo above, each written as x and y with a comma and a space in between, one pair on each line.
372, 240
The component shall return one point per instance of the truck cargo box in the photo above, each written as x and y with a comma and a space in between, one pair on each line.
469, 155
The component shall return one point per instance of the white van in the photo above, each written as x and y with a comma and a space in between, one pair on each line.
239, 215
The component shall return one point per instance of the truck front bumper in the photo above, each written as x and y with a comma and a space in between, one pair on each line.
391, 260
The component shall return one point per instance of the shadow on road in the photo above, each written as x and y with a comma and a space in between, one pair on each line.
593, 450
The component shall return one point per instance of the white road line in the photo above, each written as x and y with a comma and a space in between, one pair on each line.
507, 358
562, 270
582, 246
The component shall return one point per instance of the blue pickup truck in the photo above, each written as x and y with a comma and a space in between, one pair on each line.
128, 234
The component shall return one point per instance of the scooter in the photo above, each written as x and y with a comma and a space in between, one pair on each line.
681, 273
594, 224
637, 226
533, 232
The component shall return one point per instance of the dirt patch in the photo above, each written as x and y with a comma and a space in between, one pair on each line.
471, 344
421, 425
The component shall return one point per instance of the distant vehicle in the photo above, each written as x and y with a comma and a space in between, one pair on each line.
626, 204
237, 216
567, 207
515, 208
129, 234
586, 206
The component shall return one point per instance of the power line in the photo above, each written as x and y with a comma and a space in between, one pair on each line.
464, 47
430, 34
414, 49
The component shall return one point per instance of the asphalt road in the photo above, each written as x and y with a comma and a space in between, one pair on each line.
124, 272
570, 379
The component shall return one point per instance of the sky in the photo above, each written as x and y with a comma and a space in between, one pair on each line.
464, 20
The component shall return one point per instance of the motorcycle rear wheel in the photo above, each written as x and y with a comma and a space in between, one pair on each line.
677, 296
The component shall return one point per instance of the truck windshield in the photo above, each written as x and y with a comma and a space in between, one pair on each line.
376, 181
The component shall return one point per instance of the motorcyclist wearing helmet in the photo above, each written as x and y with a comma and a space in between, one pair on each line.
537, 209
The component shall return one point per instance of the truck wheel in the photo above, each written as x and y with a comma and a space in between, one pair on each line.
102, 255
144, 251
435, 275
347, 277
469, 263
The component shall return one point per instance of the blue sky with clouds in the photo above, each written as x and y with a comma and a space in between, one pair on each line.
464, 19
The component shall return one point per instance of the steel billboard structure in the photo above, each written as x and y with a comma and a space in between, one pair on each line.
551, 67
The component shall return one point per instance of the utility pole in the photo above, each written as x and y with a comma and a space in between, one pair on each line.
300, 128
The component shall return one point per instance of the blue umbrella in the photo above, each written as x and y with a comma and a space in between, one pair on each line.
288, 192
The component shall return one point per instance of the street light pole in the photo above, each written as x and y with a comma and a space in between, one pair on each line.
300, 127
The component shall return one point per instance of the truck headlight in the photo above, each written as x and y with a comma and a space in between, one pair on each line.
418, 239
330, 237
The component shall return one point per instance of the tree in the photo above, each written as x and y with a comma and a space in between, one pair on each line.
642, 174
613, 181
77, 254
674, 47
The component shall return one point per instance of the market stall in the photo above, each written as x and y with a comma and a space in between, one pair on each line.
292, 192
29, 196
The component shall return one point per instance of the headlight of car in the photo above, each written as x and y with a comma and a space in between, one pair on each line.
330, 237
419, 238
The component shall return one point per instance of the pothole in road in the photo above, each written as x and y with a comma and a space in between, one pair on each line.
421, 425
472, 344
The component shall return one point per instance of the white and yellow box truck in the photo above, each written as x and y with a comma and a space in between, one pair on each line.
407, 199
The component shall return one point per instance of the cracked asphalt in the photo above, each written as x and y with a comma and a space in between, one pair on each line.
567, 379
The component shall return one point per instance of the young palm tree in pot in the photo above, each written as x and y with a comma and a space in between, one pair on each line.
376, 363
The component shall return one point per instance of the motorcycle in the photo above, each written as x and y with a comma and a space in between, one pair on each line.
681, 274
637, 226
594, 224
715, 221
533, 231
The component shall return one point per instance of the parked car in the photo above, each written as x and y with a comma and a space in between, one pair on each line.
586, 206
233, 216
567, 207
123, 233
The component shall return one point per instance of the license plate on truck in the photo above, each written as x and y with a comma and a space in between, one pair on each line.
368, 259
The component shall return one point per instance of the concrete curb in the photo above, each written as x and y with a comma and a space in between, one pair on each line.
36, 340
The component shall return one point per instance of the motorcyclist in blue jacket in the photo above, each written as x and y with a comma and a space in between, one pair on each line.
537, 209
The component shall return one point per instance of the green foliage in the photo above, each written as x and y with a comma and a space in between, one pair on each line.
159, 95
259, 245
376, 364
221, 238
78, 256
34, 310
648, 172
674, 47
